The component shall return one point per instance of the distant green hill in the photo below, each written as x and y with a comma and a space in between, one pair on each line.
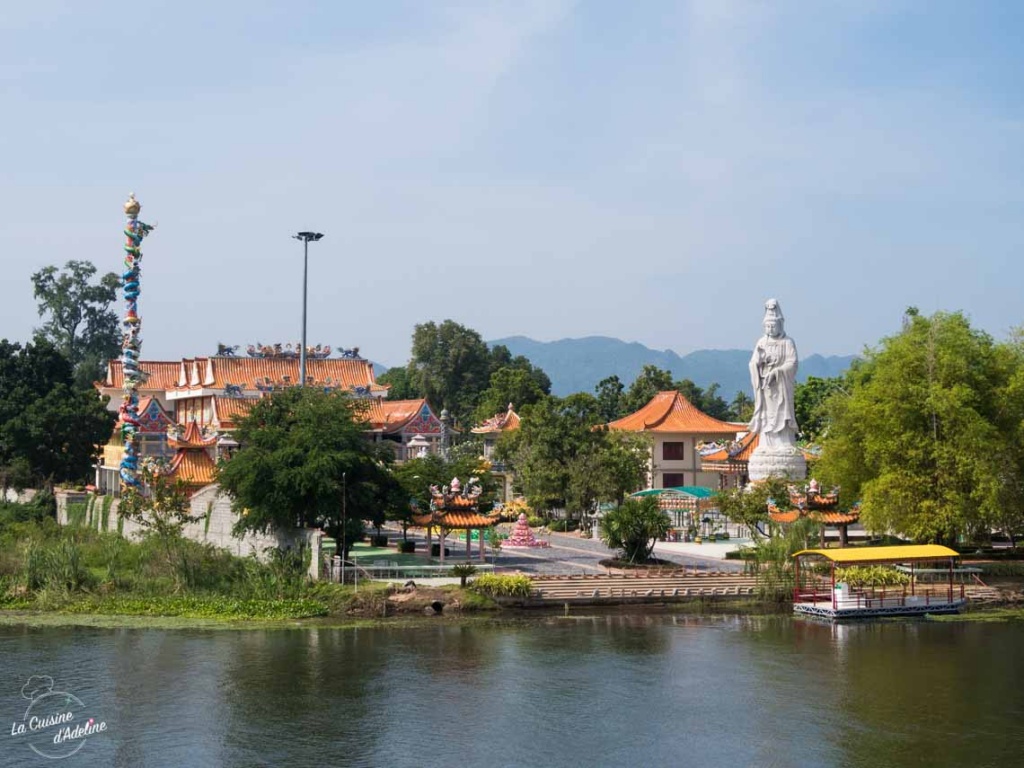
577, 365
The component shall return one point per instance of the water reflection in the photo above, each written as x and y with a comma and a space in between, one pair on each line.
601, 689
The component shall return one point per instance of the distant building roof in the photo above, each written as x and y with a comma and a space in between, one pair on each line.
502, 422
671, 412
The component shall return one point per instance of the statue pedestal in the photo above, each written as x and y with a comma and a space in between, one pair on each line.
783, 461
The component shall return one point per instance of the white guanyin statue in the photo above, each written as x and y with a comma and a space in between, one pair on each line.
773, 369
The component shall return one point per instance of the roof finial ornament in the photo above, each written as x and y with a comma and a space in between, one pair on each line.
132, 206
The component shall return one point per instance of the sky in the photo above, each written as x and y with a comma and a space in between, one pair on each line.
651, 171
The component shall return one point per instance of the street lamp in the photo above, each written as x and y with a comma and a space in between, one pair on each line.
305, 237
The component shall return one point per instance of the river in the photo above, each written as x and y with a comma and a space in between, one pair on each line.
601, 690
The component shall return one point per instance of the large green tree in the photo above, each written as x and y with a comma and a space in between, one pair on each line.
49, 428
450, 366
508, 385
398, 379
920, 431
611, 398
304, 460
79, 320
564, 460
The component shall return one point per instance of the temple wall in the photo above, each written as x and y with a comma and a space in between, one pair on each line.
215, 527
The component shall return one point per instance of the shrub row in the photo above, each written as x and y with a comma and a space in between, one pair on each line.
494, 585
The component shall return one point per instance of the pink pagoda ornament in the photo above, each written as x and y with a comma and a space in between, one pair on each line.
522, 536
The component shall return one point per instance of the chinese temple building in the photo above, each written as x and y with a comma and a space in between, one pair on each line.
215, 392
490, 431
192, 463
454, 508
821, 507
677, 427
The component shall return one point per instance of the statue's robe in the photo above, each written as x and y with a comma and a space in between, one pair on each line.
774, 410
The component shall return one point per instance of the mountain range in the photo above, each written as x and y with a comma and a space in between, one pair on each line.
577, 365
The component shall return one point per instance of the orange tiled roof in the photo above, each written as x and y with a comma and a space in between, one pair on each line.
192, 438
827, 518
193, 467
739, 452
456, 502
162, 374
392, 416
456, 520
671, 412
228, 410
502, 422
247, 372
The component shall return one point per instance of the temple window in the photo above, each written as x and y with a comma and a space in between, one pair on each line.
673, 451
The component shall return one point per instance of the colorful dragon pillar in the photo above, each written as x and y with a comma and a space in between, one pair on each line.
131, 345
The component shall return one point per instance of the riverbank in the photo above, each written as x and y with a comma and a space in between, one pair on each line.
423, 614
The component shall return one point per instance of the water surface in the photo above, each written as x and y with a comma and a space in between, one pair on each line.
589, 691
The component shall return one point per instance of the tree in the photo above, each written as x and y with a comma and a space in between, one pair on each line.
508, 385
450, 365
634, 527
920, 434
501, 357
79, 320
810, 401
563, 459
749, 506
1010, 516
49, 428
611, 403
742, 407
304, 461
650, 381
401, 386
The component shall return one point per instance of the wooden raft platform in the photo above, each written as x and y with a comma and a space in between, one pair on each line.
656, 587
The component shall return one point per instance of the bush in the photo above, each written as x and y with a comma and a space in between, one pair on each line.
872, 576
493, 585
534, 522
378, 541
405, 546
435, 550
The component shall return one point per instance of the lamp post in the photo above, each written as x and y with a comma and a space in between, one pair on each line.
305, 237
344, 522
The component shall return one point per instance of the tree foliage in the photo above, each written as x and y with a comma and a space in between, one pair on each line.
515, 386
925, 431
749, 506
810, 401
564, 460
451, 366
79, 321
634, 527
401, 386
304, 461
49, 428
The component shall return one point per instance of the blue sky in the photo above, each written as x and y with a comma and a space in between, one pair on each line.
651, 171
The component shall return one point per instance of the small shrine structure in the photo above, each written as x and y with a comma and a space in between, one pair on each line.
456, 508
822, 507
522, 536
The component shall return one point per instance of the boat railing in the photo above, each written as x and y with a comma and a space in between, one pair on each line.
880, 597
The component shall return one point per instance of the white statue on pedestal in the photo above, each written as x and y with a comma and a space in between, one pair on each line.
773, 369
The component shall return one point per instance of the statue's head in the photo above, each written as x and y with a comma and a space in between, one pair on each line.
773, 320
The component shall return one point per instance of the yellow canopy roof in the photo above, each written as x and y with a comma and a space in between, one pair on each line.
900, 554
